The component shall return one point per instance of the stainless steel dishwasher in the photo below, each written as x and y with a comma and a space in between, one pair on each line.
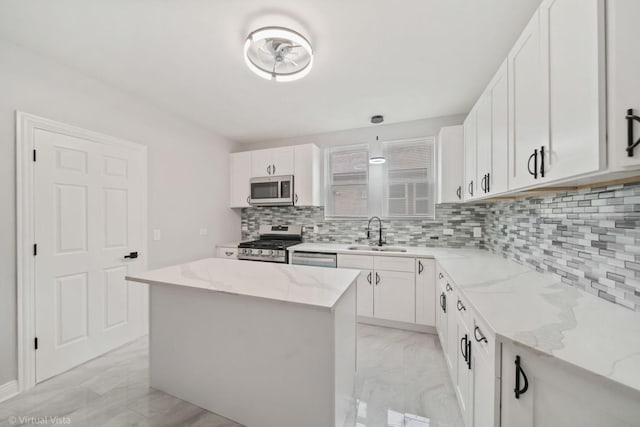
315, 259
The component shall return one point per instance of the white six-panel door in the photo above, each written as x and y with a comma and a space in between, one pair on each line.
89, 214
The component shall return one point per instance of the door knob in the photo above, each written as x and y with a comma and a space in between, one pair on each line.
132, 255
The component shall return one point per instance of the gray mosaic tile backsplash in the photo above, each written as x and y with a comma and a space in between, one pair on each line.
589, 238
461, 218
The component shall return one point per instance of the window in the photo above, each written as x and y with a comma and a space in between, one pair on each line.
409, 186
348, 182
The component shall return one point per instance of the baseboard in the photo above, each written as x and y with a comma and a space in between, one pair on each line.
397, 325
8, 390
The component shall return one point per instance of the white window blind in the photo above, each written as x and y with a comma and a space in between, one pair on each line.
348, 179
410, 185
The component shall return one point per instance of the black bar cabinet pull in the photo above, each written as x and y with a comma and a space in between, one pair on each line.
468, 354
369, 277
461, 306
377, 278
519, 372
420, 267
534, 156
483, 184
464, 347
459, 192
440, 275
269, 170
443, 302
132, 255
631, 144
476, 333
470, 188
488, 182
542, 162
449, 288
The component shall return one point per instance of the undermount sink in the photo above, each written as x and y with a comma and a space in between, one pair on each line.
376, 248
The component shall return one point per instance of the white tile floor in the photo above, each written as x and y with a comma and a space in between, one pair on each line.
402, 381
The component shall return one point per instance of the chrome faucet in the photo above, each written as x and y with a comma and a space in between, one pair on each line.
380, 241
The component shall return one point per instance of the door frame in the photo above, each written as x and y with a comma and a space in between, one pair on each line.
26, 124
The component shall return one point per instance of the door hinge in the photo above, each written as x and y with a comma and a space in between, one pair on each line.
35, 343
35, 249
34, 155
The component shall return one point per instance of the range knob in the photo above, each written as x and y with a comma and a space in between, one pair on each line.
259, 252
247, 251
271, 253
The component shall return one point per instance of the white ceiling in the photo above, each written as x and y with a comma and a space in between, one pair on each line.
406, 59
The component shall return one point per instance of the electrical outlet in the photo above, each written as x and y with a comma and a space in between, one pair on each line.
448, 231
315, 229
204, 231
156, 234
477, 232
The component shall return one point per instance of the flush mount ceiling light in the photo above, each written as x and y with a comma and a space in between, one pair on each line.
277, 53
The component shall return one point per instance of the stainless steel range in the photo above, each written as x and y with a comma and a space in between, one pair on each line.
272, 244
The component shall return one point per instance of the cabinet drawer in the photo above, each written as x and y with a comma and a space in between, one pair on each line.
482, 336
227, 253
394, 264
361, 262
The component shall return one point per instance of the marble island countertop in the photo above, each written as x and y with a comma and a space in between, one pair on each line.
312, 286
533, 309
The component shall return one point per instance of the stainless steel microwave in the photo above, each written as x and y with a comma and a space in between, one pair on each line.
272, 191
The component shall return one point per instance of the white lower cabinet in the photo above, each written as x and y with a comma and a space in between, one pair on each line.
483, 388
227, 252
364, 293
394, 296
464, 377
400, 289
425, 292
542, 391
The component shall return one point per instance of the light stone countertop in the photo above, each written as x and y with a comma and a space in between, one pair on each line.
313, 286
534, 309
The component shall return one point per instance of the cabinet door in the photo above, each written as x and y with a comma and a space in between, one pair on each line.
483, 144
394, 296
450, 164
307, 175
464, 384
239, 177
559, 394
623, 84
453, 346
484, 386
364, 293
261, 163
441, 321
573, 55
282, 161
498, 180
470, 165
426, 292
528, 97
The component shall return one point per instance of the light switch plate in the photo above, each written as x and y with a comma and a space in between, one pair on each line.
447, 231
156, 234
477, 232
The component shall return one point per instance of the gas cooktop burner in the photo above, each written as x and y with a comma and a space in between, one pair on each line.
272, 244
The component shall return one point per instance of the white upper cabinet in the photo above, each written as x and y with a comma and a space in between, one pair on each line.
307, 183
272, 162
497, 181
450, 164
304, 162
483, 144
572, 39
469, 189
623, 82
239, 176
527, 122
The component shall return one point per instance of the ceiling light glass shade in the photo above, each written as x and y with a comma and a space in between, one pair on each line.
377, 160
280, 54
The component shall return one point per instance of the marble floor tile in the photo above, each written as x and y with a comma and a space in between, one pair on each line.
402, 381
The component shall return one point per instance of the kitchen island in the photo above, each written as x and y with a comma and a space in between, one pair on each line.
267, 345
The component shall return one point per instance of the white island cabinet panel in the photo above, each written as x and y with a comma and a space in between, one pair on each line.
239, 179
264, 344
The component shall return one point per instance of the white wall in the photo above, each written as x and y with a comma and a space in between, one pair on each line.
390, 132
188, 168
